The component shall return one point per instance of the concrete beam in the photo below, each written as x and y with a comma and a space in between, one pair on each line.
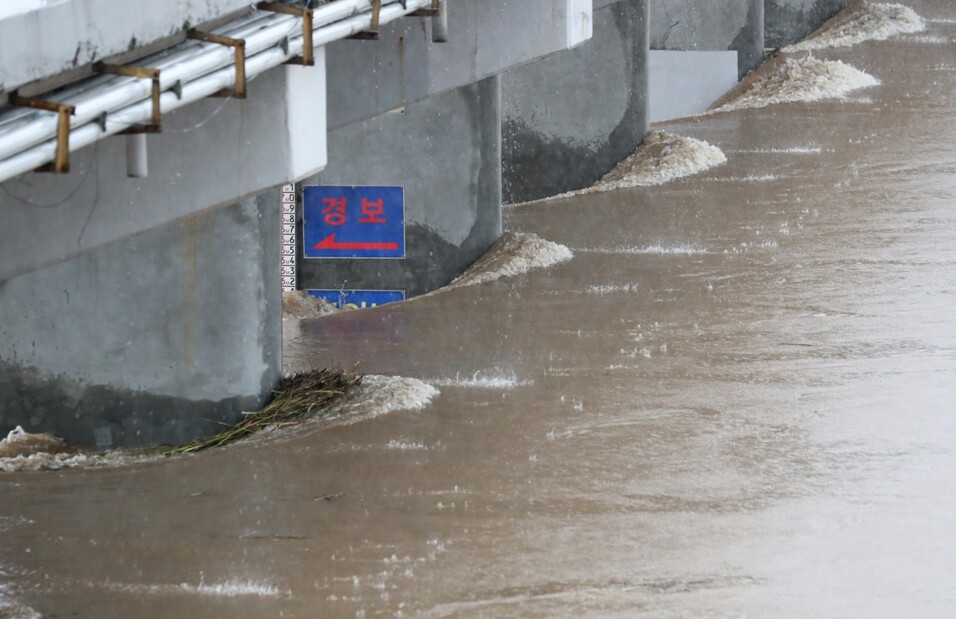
569, 118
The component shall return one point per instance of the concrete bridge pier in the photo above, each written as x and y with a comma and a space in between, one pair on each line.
569, 118
155, 338
446, 153
728, 25
790, 20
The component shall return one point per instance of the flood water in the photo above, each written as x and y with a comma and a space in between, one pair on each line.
738, 399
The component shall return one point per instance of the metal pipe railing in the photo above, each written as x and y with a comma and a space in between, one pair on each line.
195, 72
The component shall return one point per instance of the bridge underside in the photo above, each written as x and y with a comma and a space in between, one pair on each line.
137, 311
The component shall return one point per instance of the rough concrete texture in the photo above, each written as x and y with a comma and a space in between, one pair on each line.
446, 152
212, 153
569, 118
485, 37
791, 20
154, 338
690, 25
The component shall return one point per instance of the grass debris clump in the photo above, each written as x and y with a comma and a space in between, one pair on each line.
296, 398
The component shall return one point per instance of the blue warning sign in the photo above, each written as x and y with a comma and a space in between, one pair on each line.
359, 299
353, 222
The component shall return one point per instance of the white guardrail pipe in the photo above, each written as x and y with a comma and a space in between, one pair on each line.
28, 140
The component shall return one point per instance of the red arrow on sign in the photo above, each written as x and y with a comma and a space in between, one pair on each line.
329, 243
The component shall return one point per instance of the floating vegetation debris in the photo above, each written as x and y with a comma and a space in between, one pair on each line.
296, 398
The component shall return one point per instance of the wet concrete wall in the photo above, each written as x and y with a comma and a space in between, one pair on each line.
151, 339
446, 153
790, 20
212, 153
485, 37
690, 25
569, 118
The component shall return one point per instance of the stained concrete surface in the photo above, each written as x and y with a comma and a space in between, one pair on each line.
737, 400
682, 25
446, 152
109, 349
569, 118
787, 21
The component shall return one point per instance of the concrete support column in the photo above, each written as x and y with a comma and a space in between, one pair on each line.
153, 338
446, 153
790, 20
690, 25
570, 117
749, 41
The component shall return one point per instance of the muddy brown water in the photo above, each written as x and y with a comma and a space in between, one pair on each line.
739, 399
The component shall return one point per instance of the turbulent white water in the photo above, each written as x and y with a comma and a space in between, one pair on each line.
515, 253
381, 395
491, 379
795, 80
662, 157
10, 608
863, 21
656, 249
300, 304
25, 451
231, 588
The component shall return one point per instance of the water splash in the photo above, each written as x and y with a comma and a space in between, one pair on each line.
299, 304
863, 21
515, 253
797, 80
482, 379
381, 395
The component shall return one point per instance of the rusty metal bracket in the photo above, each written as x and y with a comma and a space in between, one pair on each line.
434, 11
307, 58
61, 161
239, 92
372, 33
154, 125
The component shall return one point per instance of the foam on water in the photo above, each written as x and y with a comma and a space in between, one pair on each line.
300, 304
230, 588
929, 39
493, 379
381, 395
25, 451
656, 250
798, 80
406, 446
10, 608
515, 253
793, 150
603, 290
863, 21
22, 443
661, 158
750, 178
